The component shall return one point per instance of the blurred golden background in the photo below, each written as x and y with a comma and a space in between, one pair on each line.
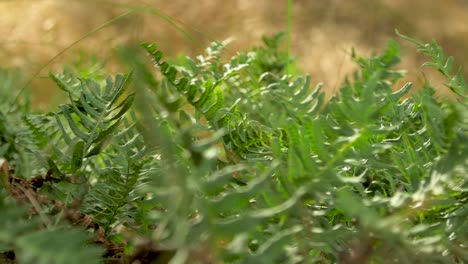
323, 31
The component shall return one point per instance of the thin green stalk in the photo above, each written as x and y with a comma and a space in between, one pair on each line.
111, 21
146, 7
289, 32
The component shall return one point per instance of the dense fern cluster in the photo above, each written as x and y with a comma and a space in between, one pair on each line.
207, 161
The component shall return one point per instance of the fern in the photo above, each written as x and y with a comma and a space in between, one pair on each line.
204, 161
30, 245
443, 64
320, 149
205, 95
86, 124
15, 140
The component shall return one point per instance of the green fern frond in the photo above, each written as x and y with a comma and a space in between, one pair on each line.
92, 117
443, 64
21, 234
208, 99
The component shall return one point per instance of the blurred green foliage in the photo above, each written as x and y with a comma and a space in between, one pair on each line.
212, 161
